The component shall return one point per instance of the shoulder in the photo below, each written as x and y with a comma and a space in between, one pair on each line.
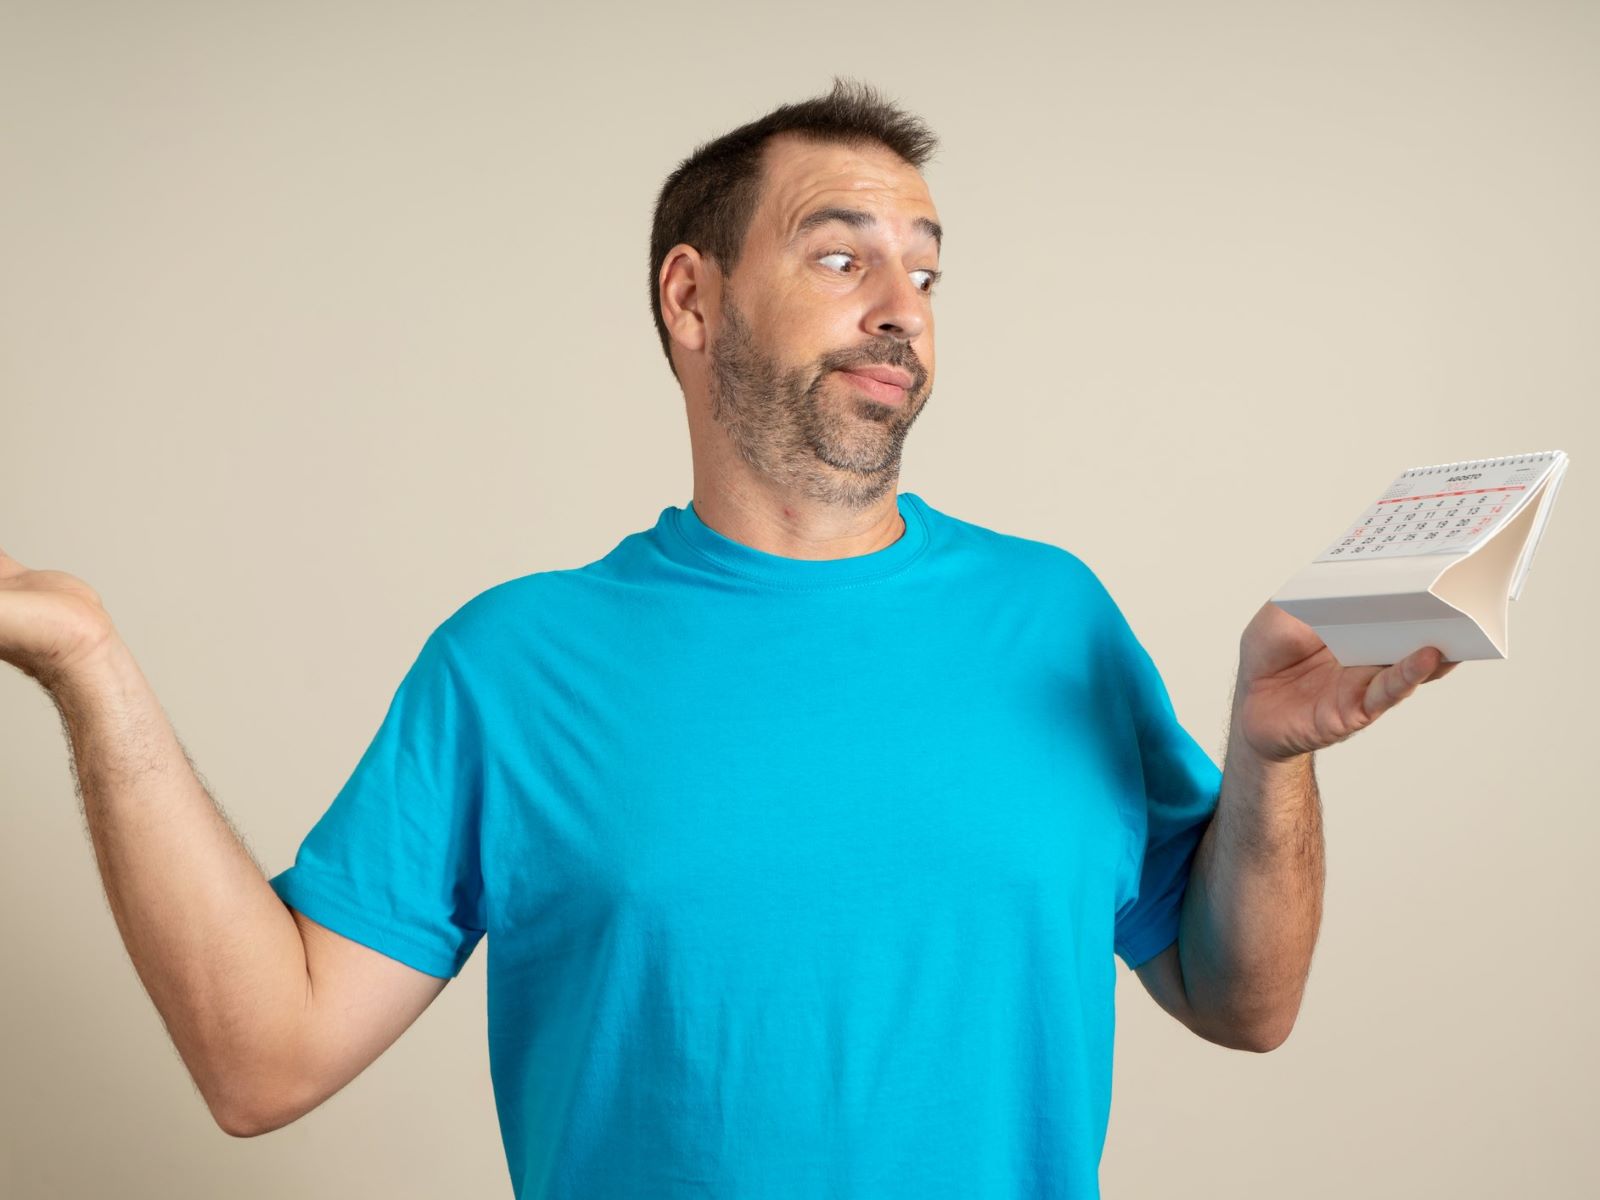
524, 605
1019, 560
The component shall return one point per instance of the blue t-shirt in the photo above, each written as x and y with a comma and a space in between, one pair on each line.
801, 878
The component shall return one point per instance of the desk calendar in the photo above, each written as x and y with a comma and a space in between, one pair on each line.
1434, 561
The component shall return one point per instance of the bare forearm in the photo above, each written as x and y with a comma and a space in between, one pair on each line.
1254, 901
219, 953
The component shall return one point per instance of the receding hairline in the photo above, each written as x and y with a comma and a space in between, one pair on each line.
854, 217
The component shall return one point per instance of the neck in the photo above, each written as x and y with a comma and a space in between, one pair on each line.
771, 519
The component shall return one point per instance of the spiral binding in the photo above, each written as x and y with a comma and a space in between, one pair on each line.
1473, 464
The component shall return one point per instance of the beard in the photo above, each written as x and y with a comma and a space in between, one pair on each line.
805, 428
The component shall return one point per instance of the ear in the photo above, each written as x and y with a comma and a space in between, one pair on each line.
689, 284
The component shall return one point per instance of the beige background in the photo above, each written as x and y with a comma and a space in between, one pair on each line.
318, 319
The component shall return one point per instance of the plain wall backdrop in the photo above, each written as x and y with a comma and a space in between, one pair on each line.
318, 319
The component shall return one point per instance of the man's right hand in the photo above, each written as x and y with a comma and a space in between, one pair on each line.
271, 1012
50, 621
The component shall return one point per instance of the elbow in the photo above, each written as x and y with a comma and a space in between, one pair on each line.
243, 1107
236, 1125
248, 1123
1257, 1037
236, 1117
231, 1113
1262, 1039
1257, 1028
1264, 1043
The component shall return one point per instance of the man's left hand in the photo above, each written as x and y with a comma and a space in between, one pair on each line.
1292, 696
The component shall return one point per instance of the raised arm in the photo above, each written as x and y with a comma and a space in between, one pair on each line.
270, 1012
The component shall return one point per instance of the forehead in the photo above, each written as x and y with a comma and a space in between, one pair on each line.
801, 177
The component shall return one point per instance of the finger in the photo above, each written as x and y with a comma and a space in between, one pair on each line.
1394, 683
1444, 669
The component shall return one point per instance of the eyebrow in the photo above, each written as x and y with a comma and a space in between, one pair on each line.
858, 218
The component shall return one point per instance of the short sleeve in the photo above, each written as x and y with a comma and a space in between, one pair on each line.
1181, 788
394, 861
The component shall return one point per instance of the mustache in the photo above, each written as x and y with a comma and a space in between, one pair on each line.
895, 354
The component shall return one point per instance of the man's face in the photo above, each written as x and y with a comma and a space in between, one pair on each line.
815, 295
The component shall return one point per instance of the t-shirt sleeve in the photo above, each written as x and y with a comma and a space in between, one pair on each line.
1181, 788
394, 862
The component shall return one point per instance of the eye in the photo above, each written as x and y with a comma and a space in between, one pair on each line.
933, 275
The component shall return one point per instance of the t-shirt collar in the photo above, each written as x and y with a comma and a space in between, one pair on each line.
778, 570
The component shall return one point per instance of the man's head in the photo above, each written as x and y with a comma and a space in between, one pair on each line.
784, 254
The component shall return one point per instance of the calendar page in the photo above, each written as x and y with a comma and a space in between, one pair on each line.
1444, 509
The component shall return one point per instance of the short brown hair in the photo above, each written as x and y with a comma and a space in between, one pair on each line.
710, 198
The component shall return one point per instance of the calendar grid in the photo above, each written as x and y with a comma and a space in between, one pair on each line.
1406, 521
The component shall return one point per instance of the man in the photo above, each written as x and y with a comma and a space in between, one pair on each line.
803, 825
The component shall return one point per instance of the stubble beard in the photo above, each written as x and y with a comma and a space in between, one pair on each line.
843, 451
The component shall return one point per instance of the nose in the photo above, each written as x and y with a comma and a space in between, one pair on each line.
898, 309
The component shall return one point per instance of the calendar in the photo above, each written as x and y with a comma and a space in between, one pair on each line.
1446, 509
1434, 561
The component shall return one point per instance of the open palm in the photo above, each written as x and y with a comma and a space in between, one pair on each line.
1293, 697
49, 620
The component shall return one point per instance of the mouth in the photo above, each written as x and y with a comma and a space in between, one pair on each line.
879, 389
